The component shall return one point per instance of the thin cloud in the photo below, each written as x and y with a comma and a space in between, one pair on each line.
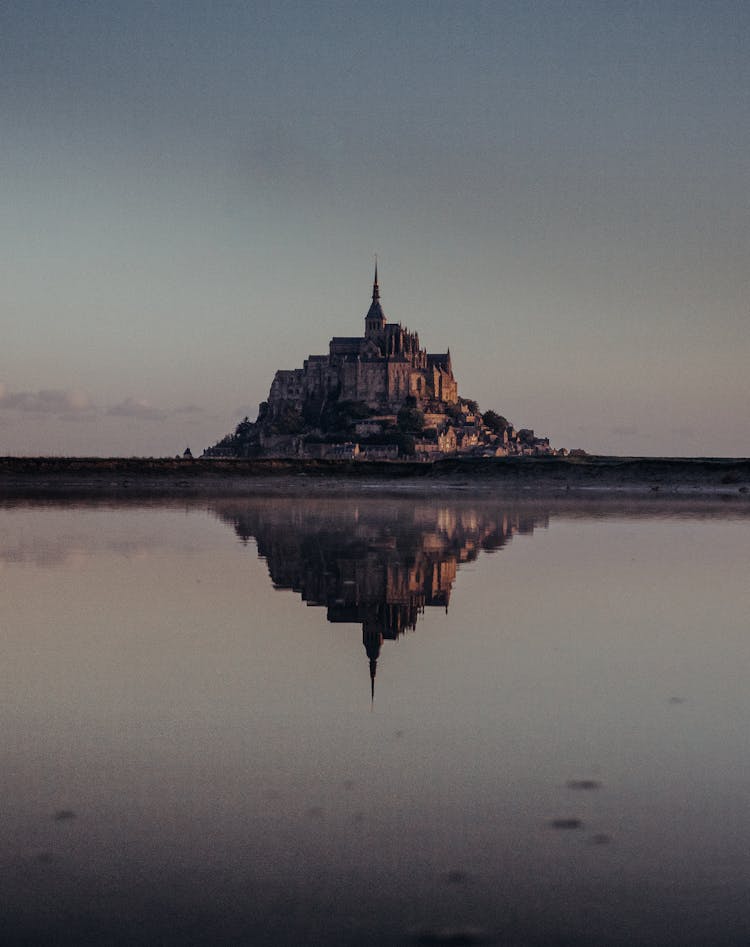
277, 157
73, 404
134, 408
59, 401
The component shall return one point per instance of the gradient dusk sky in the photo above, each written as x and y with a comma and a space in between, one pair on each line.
192, 194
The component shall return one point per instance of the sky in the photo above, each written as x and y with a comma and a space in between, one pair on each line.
192, 194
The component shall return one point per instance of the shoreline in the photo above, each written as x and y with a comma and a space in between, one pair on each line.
683, 478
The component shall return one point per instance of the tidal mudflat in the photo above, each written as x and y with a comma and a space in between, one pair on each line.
374, 721
543, 476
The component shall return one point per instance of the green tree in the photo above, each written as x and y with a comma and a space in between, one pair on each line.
406, 445
495, 422
289, 421
342, 415
410, 420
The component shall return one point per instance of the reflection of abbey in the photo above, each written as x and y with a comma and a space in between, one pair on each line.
375, 396
367, 564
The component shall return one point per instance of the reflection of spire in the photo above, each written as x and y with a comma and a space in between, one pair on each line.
372, 639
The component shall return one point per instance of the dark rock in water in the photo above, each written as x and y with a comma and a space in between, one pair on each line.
46, 858
456, 877
584, 784
566, 824
64, 815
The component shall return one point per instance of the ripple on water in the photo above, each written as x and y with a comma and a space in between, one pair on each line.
451, 937
64, 815
583, 784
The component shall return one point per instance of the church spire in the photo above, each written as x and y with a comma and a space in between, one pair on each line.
375, 318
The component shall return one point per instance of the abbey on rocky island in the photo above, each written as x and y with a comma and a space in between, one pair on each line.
378, 396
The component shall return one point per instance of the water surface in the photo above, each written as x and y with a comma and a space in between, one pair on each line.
374, 721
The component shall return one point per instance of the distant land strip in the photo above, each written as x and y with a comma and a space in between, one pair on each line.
31, 476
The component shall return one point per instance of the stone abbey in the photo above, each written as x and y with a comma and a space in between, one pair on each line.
378, 396
380, 369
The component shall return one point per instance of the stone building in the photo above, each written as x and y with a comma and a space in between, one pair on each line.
380, 369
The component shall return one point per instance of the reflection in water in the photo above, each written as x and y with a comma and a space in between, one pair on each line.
373, 565
186, 760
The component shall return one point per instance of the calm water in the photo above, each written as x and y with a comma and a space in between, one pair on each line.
374, 722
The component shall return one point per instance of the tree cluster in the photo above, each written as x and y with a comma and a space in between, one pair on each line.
410, 420
495, 422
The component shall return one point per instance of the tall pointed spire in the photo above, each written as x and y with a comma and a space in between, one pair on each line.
375, 318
